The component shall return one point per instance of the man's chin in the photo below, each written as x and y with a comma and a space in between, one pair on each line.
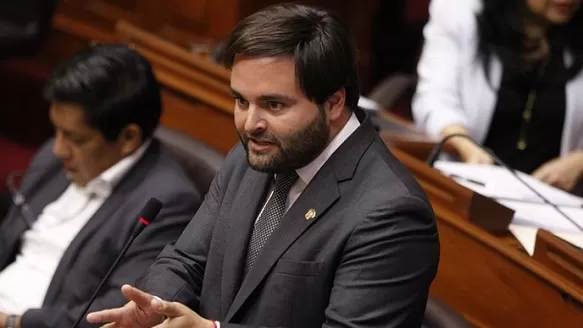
75, 179
263, 163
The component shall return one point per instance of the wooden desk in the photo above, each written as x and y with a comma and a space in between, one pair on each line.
403, 135
494, 285
198, 25
490, 279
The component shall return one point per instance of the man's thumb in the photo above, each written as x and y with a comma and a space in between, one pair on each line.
169, 309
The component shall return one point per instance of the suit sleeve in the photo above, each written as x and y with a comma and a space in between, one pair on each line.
177, 273
387, 268
437, 101
177, 211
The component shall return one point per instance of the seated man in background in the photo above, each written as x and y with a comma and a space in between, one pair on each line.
85, 189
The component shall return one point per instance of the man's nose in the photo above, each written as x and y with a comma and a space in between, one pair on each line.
60, 147
254, 121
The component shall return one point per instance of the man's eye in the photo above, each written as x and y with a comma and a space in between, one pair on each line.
241, 102
78, 141
274, 105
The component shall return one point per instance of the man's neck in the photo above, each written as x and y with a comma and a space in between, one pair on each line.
339, 124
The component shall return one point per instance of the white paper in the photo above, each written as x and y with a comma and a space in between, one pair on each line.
531, 211
527, 237
499, 183
546, 217
367, 103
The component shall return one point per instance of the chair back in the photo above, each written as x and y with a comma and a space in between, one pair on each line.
200, 161
440, 315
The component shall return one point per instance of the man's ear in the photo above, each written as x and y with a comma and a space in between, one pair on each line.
130, 139
336, 104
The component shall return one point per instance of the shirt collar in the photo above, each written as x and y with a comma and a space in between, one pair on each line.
308, 172
103, 184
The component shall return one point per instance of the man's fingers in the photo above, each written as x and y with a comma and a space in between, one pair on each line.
112, 315
165, 324
169, 309
109, 325
142, 299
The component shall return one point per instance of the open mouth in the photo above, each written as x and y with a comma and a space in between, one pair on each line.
260, 145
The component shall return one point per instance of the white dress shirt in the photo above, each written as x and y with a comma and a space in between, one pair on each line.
307, 173
24, 283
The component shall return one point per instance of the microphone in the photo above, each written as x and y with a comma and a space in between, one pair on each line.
436, 151
148, 214
18, 199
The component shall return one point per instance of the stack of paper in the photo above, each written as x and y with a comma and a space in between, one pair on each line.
531, 211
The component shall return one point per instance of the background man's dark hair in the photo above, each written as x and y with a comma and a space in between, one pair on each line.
319, 42
113, 84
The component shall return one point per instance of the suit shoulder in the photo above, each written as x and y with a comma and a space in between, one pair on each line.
235, 155
384, 177
235, 162
44, 154
167, 179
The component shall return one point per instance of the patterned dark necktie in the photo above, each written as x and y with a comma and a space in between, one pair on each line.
270, 218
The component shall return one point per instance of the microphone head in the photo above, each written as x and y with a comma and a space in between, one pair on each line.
148, 214
152, 208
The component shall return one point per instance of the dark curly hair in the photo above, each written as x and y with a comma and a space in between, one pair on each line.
501, 33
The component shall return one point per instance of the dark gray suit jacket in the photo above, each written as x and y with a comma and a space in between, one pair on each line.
366, 259
94, 249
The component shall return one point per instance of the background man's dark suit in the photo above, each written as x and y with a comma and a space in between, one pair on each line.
366, 259
94, 249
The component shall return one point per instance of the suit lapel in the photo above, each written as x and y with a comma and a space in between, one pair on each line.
319, 195
241, 219
115, 201
47, 190
47, 187
106, 210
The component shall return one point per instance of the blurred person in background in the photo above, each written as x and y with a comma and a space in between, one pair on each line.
84, 190
508, 74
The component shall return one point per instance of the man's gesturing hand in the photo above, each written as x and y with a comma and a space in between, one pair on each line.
137, 313
144, 311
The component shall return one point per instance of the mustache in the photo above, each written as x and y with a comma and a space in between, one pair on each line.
261, 136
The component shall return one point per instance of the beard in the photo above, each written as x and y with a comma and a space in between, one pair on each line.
292, 152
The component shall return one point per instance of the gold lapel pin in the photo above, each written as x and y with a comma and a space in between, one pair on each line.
310, 214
